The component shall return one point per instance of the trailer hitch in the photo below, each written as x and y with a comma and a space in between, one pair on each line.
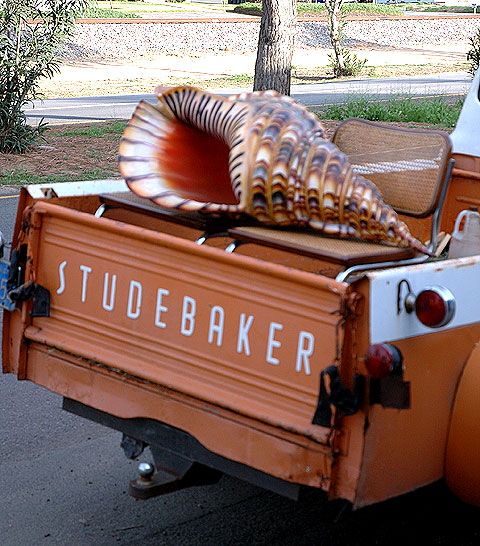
152, 484
336, 394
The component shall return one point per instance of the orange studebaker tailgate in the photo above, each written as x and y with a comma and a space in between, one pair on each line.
145, 324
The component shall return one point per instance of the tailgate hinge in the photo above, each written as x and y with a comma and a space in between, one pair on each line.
35, 292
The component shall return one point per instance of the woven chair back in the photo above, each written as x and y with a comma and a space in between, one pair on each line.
407, 165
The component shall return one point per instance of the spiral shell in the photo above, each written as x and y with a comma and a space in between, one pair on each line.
257, 153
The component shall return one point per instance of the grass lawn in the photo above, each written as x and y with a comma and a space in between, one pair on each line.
161, 7
304, 8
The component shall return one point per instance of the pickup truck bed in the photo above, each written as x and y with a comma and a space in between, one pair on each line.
147, 327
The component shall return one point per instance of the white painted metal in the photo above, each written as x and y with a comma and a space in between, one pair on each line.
461, 276
71, 189
464, 136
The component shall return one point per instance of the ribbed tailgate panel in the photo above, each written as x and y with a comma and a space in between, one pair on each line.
245, 335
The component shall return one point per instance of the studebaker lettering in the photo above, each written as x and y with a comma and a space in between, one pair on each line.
112, 301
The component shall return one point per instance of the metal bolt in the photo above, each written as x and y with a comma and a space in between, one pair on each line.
410, 300
146, 471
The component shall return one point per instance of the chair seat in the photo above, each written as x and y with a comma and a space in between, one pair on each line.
346, 252
207, 223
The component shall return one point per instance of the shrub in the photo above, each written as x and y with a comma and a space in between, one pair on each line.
352, 65
473, 55
31, 33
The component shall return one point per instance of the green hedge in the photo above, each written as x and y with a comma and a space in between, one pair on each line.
436, 8
304, 8
100, 13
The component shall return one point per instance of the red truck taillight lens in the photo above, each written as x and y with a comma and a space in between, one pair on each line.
382, 360
435, 306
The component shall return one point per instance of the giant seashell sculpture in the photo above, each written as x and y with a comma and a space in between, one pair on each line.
260, 154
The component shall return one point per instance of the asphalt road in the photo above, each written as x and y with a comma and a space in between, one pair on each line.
64, 480
93, 109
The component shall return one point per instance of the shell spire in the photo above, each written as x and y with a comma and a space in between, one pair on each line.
257, 153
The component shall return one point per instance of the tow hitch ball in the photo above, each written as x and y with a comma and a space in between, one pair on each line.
151, 483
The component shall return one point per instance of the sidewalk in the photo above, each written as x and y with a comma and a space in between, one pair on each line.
231, 63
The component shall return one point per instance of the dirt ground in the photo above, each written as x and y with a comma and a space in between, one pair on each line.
65, 157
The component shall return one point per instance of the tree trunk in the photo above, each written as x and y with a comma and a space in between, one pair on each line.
275, 46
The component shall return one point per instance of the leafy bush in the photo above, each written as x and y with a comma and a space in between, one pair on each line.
31, 33
352, 65
473, 55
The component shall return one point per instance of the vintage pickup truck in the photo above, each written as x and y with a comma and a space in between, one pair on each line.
283, 357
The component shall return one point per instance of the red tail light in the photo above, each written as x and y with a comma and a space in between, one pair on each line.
435, 306
382, 360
